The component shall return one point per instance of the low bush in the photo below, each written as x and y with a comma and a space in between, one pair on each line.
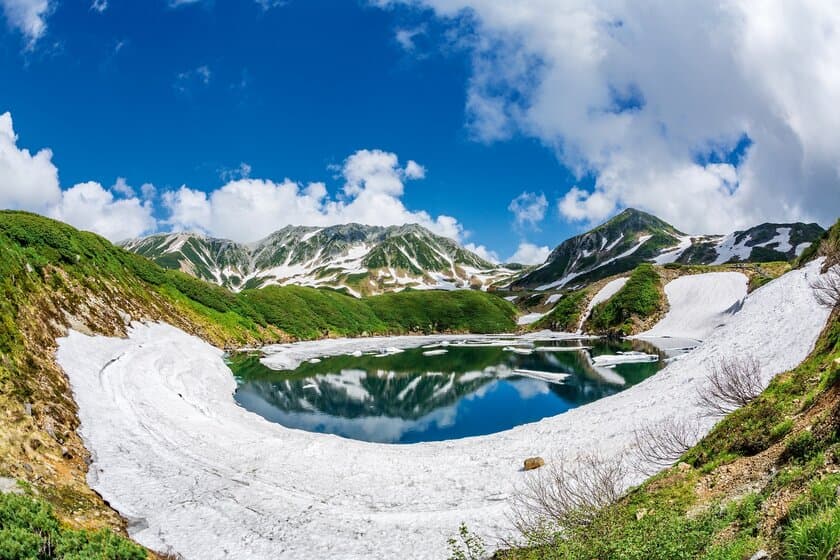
813, 537
29, 530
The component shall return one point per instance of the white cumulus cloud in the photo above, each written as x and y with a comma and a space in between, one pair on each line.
30, 182
483, 252
528, 209
27, 181
528, 253
652, 98
90, 206
248, 209
27, 16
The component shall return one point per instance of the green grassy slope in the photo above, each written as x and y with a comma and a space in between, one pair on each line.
639, 299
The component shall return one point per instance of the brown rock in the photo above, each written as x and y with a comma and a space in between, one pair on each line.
532, 463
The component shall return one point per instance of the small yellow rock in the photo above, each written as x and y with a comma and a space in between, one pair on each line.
532, 463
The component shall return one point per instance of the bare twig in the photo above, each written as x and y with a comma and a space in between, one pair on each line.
660, 445
566, 496
731, 384
827, 287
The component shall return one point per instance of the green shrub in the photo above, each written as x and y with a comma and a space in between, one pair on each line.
29, 530
801, 447
781, 429
813, 537
467, 546
566, 314
17, 543
105, 545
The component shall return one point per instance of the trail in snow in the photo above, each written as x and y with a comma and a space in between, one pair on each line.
190, 469
699, 303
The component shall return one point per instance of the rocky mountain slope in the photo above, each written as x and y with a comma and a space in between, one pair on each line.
354, 258
634, 237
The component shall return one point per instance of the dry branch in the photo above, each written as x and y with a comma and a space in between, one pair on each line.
731, 384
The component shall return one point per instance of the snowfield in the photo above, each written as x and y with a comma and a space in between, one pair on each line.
699, 303
191, 470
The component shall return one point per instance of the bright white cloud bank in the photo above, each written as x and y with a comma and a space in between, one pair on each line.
528, 253
248, 209
642, 94
243, 209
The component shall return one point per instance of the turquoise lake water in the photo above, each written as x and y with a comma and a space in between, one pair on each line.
411, 397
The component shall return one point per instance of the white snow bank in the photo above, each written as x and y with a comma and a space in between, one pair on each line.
190, 469
698, 304
609, 290
529, 318
672, 254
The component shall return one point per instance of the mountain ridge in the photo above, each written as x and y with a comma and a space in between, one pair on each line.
633, 237
355, 258
365, 260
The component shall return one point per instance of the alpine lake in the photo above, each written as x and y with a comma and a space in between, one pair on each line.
441, 391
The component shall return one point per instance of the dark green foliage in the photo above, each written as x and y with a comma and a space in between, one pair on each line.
311, 313
765, 254
652, 527
29, 530
829, 238
699, 253
641, 297
812, 527
802, 447
434, 311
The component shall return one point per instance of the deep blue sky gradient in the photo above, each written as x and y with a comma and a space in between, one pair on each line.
292, 91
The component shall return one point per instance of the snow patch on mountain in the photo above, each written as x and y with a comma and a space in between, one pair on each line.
732, 248
698, 304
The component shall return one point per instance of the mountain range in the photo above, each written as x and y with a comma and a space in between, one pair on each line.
358, 259
365, 260
633, 237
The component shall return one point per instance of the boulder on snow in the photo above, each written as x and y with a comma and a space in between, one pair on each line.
532, 463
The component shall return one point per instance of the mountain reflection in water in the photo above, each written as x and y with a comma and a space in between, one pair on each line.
411, 396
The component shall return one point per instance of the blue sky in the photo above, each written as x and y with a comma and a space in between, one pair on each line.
497, 123
178, 95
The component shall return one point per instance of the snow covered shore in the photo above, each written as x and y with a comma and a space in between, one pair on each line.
190, 469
